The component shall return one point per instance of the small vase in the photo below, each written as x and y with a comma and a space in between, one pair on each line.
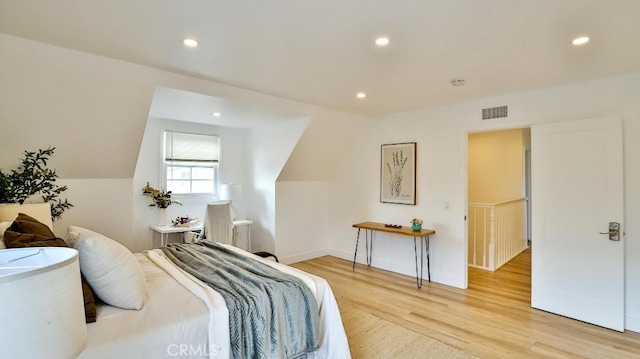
162, 216
416, 227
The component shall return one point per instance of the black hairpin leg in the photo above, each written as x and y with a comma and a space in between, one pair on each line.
355, 253
428, 266
415, 251
369, 245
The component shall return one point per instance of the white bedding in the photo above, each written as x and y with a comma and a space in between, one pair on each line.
182, 318
333, 339
171, 316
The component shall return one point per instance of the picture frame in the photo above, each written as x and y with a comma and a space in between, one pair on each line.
398, 173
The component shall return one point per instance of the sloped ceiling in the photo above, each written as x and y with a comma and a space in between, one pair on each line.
92, 109
322, 52
181, 105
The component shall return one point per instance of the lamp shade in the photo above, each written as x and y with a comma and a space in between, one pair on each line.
42, 308
230, 192
39, 211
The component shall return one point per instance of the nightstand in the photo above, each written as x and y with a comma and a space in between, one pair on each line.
163, 232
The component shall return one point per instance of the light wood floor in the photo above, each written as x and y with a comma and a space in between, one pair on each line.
491, 319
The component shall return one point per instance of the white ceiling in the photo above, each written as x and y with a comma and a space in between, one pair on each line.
182, 105
322, 52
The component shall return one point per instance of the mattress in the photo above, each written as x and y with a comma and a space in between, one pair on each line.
184, 318
332, 336
172, 319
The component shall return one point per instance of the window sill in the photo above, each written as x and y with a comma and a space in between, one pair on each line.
195, 198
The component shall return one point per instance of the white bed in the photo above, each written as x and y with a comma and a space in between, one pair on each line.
183, 318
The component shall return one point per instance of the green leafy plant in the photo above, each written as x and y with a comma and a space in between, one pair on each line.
34, 178
159, 197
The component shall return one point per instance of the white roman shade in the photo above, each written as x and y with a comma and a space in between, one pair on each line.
189, 147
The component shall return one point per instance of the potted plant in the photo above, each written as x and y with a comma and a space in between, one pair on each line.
32, 177
160, 199
416, 224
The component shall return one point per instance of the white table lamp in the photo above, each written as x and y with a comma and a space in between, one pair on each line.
42, 312
231, 192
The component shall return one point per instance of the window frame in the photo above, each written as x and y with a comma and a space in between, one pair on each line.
165, 165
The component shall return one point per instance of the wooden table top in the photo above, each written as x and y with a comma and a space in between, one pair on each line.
404, 230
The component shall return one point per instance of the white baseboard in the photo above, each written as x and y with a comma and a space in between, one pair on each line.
632, 324
304, 256
408, 270
342, 255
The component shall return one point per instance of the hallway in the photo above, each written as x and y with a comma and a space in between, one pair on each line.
512, 281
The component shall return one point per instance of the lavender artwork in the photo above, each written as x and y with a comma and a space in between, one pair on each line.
398, 173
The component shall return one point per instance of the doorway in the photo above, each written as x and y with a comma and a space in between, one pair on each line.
498, 192
579, 268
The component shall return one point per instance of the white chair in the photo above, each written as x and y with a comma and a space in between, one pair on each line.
218, 226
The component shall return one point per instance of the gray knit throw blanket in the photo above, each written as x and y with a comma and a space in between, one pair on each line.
271, 314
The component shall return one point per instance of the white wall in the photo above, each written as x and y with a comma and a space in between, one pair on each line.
302, 214
495, 166
103, 205
321, 146
441, 134
269, 147
301, 195
354, 197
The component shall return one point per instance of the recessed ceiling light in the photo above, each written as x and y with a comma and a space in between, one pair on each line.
382, 41
217, 114
361, 95
580, 40
190, 42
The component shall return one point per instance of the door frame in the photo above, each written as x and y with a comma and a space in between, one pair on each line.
464, 148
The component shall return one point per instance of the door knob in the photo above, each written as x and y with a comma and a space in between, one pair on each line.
614, 231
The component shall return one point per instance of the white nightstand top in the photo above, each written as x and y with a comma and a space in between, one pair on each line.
171, 229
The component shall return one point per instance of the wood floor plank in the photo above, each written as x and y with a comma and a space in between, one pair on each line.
386, 316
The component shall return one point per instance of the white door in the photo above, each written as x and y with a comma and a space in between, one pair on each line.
577, 189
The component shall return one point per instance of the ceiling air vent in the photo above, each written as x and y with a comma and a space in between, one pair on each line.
494, 112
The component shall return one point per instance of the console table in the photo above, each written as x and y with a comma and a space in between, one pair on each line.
423, 234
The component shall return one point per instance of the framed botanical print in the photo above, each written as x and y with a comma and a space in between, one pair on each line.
398, 173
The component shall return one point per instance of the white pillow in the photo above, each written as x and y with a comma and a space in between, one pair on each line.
3, 227
111, 270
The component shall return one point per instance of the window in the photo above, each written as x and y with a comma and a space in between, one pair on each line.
191, 163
